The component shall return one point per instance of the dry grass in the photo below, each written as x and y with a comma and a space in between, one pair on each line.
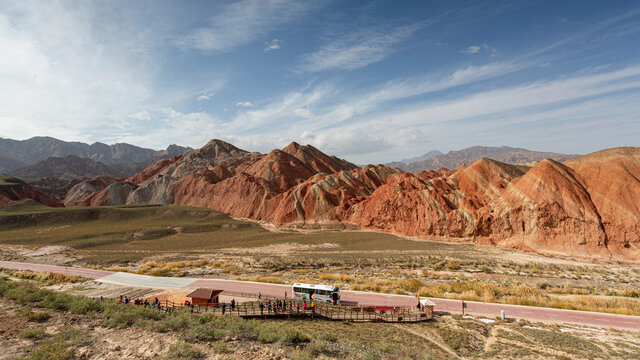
157, 269
260, 278
48, 277
527, 295
336, 277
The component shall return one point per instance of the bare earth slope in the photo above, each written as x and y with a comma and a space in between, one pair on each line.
612, 178
563, 209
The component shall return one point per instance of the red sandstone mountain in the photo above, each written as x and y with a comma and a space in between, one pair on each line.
13, 190
612, 178
585, 208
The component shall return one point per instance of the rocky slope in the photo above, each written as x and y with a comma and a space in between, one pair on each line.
564, 209
455, 159
13, 190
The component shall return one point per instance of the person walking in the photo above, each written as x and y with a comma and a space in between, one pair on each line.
261, 308
233, 304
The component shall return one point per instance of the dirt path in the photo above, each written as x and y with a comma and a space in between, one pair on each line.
421, 335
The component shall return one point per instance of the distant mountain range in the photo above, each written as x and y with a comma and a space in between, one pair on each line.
17, 154
454, 159
72, 167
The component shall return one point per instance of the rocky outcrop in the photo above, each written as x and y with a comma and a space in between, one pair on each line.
567, 209
77, 194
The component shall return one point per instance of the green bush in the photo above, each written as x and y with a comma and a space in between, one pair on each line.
83, 305
177, 321
184, 352
293, 336
124, 316
220, 347
56, 348
269, 334
24, 292
202, 332
38, 316
244, 329
58, 301
35, 333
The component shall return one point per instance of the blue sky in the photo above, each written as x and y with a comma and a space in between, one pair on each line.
369, 81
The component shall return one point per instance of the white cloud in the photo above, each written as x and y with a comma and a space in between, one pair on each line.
473, 49
246, 104
243, 22
272, 45
524, 97
142, 115
357, 49
169, 125
303, 113
476, 49
62, 72
205, 96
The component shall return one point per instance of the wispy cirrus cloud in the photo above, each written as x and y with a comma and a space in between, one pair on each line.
357, 49
379, 124
242, 22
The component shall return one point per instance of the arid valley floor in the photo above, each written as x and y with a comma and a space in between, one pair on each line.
193, 242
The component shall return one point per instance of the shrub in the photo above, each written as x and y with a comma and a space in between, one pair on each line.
220, 347
58, 301
185, 352
269, 334
56, 348
243, 329
24, 292
123, 316
83, 305
203, 332
411, 285
38, 316
453, 266
293, 336
35, 333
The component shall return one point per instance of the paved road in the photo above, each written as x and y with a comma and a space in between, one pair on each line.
362, 298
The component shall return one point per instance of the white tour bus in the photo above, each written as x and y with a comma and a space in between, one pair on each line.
324, 293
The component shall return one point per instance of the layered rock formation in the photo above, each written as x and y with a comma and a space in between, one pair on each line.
567, 209
13, 190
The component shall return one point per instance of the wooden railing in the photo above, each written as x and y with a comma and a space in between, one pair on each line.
293, 308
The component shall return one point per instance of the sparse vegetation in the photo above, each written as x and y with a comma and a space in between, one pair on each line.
47, 277
34, 333
206, 334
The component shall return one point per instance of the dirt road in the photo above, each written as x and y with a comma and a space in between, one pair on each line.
361, 298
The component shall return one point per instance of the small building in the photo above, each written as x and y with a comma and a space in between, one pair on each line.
204, 296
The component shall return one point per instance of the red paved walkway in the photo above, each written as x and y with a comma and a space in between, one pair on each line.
365, 298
